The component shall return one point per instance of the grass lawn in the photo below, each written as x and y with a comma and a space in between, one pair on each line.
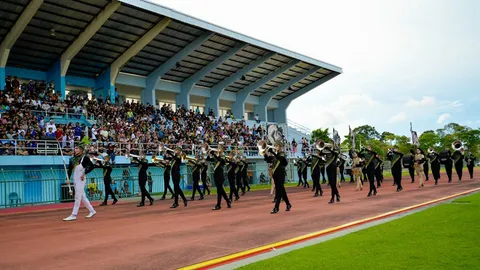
442, 237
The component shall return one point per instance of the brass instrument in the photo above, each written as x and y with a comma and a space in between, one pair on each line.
157, 160
320, 145
206, 148
132, 155
457, 145
161, 147
431, 150
263, 147
188, 158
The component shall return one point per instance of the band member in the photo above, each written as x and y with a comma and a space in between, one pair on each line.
219, 177
316, 160
230, 159
239, 174
322, 171
176, 162
395, 158
368, 155
196, 170
299, 163
419, 160
470, 159
204, 177
107, 179
458, 158
357, 170
245, 174
435, 164
279, 162
378, 170
80, 165
272, 183
411, 168
341, 168
165, 164
142, 178
426, 168
446, 160
331, 168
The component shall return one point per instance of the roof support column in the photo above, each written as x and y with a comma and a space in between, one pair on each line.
183, 98
261, 109
217, 90
12, 36
148, 97
280, 115
54, 75
103, 87
86, 35
238, 107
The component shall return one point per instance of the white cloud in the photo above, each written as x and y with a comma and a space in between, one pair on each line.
399, 117
426, 101
442, 118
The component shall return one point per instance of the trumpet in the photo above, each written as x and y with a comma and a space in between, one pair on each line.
162, 147
457, 145
157, 160
132, 155
263, 147
188, 158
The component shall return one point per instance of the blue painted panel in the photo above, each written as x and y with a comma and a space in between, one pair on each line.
32, 191
80, 81
2, 78
26, 73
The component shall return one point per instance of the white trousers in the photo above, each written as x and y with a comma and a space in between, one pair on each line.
81, 197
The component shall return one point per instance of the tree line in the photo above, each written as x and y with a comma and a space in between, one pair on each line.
439, 139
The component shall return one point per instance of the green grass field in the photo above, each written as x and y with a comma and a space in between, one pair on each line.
442, 237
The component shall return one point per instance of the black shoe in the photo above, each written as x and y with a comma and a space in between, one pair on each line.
321, 192
375, 193
201, 198
151, 201
163, 198
103, 204
369, 195
236, 198
316, 195
338, 198
217, 207
192, 199
141, 204
185, 203
114, 201
288, 207
229, 204
174, 205
274, 211
331, 201
171, 198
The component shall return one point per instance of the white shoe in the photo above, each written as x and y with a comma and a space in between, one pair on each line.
70, 218
91, 215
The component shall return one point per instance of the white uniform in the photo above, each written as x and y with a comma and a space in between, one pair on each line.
80, 196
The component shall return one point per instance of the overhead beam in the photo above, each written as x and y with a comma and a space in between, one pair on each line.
261, 108
148, 93
183, 98
238, 107
86, 35
12, 36
136, 48
217, 90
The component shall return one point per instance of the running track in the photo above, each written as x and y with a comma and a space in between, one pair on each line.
157, 237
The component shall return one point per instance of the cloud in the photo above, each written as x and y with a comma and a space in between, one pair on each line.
426, 101
442, 118
399, 117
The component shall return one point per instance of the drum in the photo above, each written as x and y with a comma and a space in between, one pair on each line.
444, 157
407, 161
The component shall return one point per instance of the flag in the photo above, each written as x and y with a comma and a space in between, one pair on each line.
415, 140
336, 138
352, 137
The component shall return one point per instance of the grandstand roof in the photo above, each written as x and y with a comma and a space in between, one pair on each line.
39, 47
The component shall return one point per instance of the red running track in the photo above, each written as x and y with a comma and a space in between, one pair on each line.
156, 237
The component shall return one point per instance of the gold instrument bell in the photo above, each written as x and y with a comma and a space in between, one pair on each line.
263, 147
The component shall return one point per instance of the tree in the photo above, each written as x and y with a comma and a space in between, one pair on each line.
429, 139
367, 132
320, 134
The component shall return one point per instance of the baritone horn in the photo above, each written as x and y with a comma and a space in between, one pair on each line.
320, 145
431, 150
457, 145
263, 147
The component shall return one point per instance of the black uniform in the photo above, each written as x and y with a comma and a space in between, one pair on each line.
279, 163
446, 160
299, 165
425, 170
196, 170
239, 176
370, 169
204, 178
341, 167
166, 176
378, 170
219, 178
231, 180
142, 180
411, 168
107, 181
176, 162
458, 162
470, 159
395, 159
435, 165
316, 161
331, 168
245, 176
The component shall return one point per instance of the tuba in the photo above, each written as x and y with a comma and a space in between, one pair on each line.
457, 145
431, 150
320, 145
263, 147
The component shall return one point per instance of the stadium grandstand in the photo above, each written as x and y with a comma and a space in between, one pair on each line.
128, 74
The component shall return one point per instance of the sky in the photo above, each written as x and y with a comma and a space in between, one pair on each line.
403, 61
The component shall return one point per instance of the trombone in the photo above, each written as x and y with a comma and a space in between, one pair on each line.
161, 147
132, 155
263, 147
